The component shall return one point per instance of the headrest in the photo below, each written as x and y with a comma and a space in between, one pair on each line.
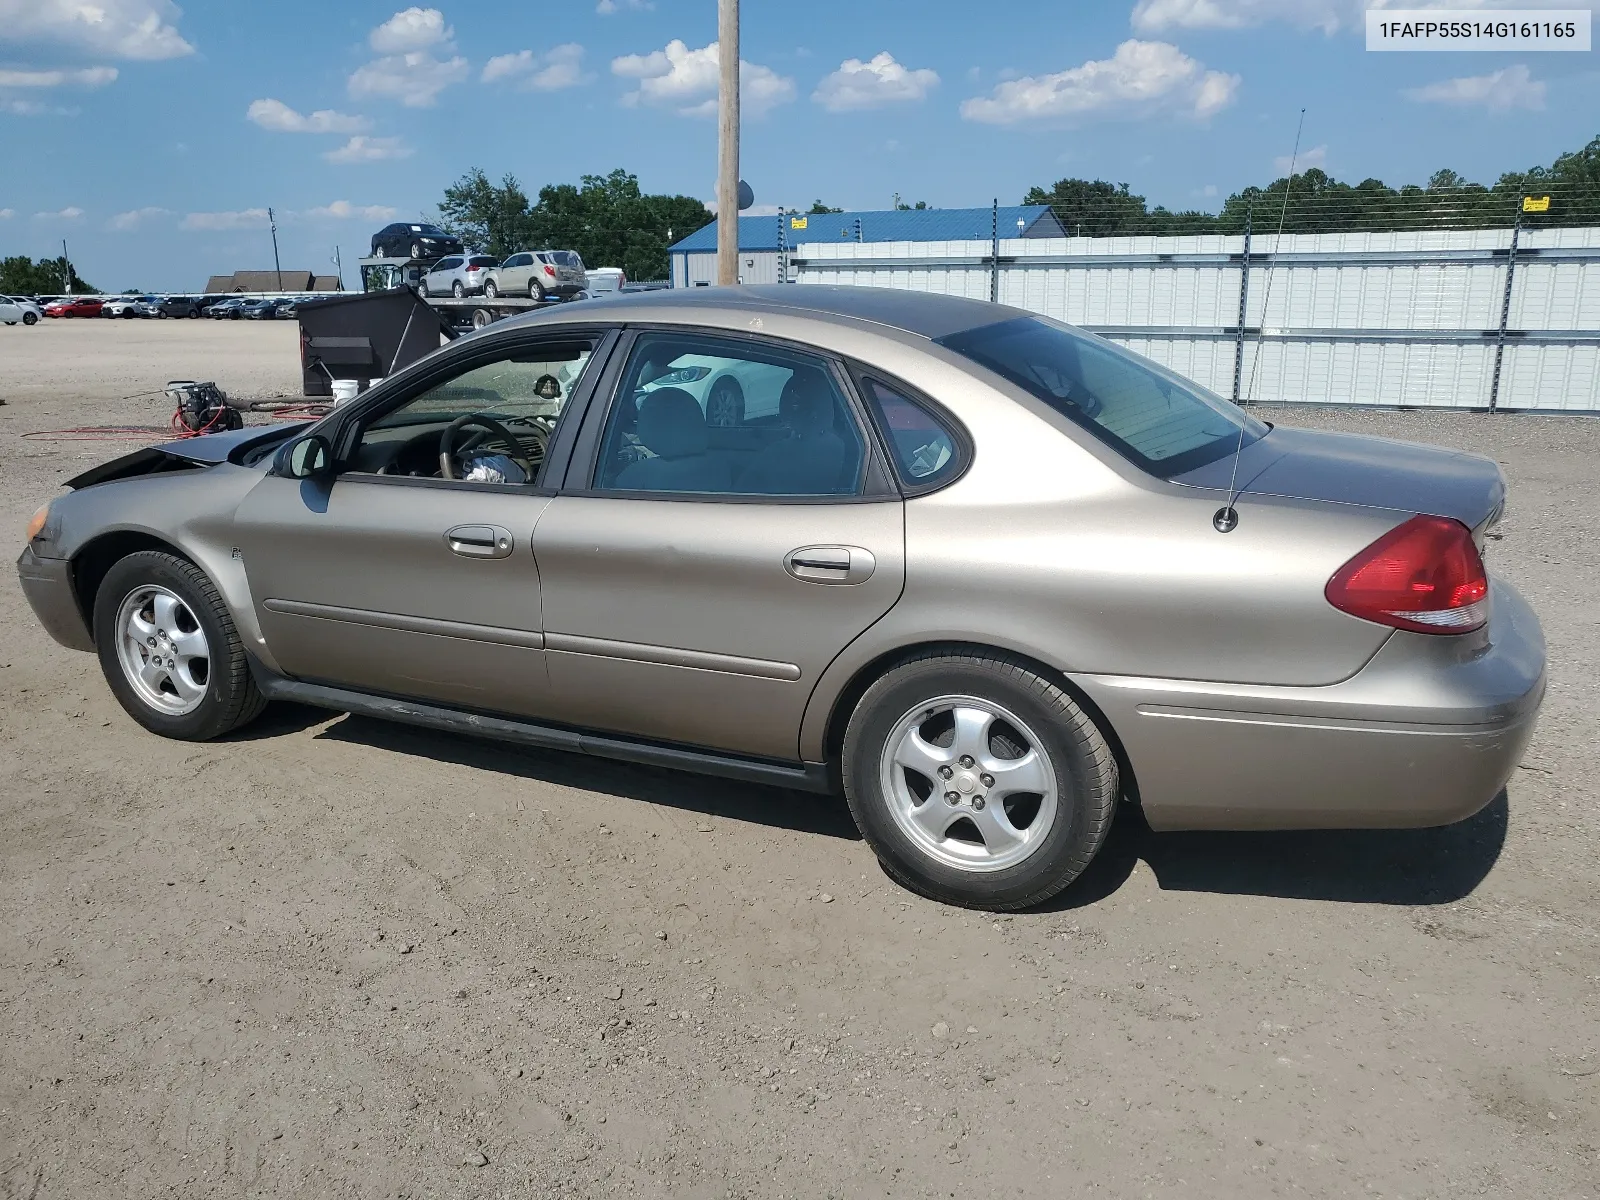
671, 424
806, 404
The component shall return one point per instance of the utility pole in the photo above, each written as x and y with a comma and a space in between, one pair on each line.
338, 263
66, 269
728, 142
276, 265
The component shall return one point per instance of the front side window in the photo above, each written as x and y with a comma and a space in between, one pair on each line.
1160, 422
490, 423
704, 414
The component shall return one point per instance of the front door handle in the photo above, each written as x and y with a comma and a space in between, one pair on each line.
830, 564
480, 541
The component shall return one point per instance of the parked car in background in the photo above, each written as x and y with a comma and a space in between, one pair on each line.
406, 240
179, 306
605, 281
16, 308
148, 306
126, 306
539, 274
222, 308
74, 306
257, 310
458, 275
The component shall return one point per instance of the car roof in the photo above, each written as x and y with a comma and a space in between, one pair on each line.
923, 313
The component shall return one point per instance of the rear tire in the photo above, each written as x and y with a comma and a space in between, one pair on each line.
154, 597
1033, 800
537, 292
458, 289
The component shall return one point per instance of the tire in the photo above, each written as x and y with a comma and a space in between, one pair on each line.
161, 313
29, 319
458, 289
725, 404
989, 856
536, 291
482, 317
416, 250
489, 289
224, 699
194, 314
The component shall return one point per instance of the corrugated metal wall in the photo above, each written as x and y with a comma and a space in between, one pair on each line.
694, 267
1407, 318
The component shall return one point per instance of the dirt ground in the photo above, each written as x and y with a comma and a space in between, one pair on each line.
333, 957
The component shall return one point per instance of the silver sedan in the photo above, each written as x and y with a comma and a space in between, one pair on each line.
985, 574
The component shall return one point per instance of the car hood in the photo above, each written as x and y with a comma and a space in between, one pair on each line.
204, 451
1351, 468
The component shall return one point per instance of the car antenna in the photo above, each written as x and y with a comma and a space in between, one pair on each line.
1226, 518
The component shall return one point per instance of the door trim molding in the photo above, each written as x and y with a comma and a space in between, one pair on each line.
531, 639
671, 656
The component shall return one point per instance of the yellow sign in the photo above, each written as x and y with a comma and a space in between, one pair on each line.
1536, 204
797, 222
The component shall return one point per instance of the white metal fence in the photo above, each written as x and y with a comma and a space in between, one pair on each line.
1396, 319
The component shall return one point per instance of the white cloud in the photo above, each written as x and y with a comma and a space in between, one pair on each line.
411, 69
7, 213
547, 72
1317, 157
414, 79
88, 77
1508, 88
1158, 16
607, 8
70, 213
133, 218
280, 118
138, 29
685, 81
881, 81
360, 149
1140, 79
249, 218
343, 210
35, 108
413, 29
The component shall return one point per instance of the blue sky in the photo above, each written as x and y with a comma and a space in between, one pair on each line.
152, 135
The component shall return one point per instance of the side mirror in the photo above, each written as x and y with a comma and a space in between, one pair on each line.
308, 457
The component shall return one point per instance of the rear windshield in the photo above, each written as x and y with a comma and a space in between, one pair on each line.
565, 258
1159, 421
482, 261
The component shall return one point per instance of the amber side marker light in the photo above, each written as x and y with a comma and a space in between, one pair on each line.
37, 523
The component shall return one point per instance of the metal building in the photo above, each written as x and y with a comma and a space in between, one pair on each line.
763, 240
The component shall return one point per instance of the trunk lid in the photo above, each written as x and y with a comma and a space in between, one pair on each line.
1351, 468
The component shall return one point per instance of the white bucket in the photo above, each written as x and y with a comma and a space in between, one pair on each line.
345, 390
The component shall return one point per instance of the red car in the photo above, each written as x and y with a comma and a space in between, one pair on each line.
73, 307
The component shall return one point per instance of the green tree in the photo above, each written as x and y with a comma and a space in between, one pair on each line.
919, 206
488, 218
21, 276
818, 208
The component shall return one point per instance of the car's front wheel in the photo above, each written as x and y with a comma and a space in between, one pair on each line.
490, 290
978, 781
169, 649
30, 319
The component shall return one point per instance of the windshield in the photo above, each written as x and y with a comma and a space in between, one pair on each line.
1162, 423
530, 385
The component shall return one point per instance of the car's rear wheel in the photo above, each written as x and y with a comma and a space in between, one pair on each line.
977, 781
458, 289
162, 313
169, 649
536, 291
194, 314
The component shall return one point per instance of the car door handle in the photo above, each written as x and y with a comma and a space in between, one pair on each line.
480, 541
830, 564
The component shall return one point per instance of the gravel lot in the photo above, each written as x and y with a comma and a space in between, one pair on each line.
334, 957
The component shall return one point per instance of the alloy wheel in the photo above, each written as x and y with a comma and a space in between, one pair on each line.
969, 783
162, 650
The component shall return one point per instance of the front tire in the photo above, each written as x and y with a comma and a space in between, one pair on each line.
169, 649
490, 290
978, 781
29, 319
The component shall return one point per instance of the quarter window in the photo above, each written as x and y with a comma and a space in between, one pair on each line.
699, 414
926, 453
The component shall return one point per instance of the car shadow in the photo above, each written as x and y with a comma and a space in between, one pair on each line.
781, 808
1362, 866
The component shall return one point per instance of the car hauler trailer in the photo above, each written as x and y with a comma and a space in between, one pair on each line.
466, 312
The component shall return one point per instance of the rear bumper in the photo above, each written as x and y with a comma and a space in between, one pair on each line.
1427, 733
47, 583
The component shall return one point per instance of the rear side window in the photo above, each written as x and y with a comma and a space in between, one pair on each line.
925, 450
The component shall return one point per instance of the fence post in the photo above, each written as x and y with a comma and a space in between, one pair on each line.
1244, 297
1505, 313
783, 251
994, 252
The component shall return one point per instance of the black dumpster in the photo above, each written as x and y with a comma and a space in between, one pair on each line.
365, 336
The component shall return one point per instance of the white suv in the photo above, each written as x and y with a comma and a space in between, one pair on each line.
538, 274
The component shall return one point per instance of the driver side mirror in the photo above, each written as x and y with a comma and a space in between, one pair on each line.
308, 457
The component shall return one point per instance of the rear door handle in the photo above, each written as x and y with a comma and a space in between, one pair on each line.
480, 541
830, 564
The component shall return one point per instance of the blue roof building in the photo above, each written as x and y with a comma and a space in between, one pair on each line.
694, 257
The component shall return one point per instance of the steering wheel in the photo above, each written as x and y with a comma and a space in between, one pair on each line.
448, 451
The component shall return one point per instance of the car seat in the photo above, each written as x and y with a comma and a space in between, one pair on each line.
813, 460
671, 426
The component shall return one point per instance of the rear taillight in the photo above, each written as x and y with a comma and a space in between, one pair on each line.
1424, 575
549, 270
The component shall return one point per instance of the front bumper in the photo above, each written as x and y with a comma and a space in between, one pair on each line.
1425, 734
47, 583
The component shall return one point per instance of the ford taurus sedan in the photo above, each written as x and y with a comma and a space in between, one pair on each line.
984, 573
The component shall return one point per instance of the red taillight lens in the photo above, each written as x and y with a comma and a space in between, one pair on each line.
549, 270
1425, 576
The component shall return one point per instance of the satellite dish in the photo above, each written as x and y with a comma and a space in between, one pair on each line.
746, 196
